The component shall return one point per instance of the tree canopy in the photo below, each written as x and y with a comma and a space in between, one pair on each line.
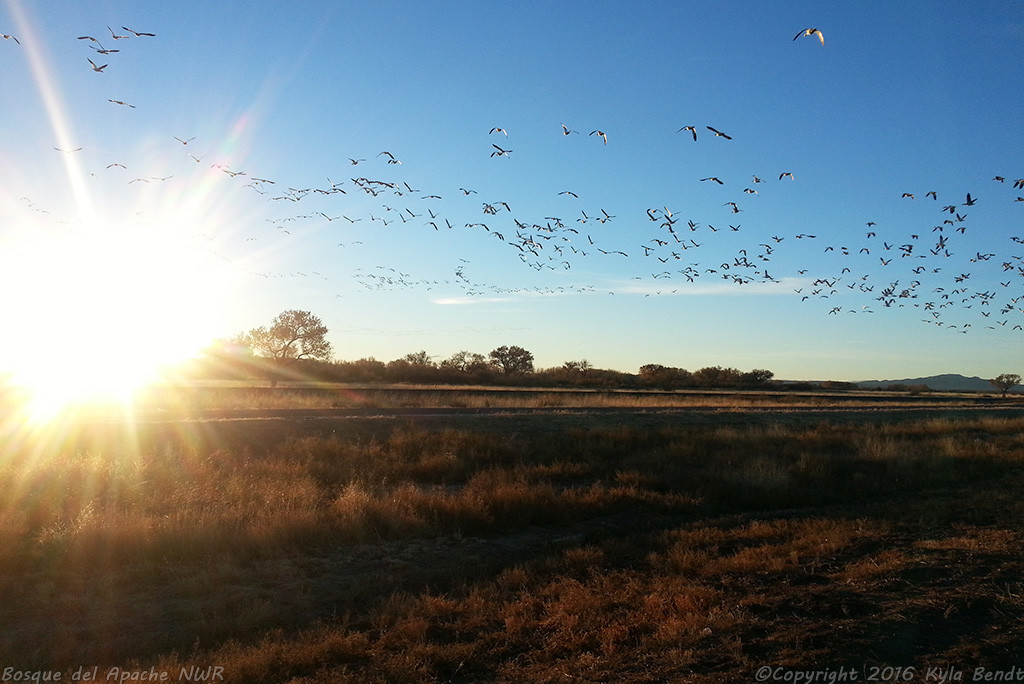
291, 335
1005, 381
512, 360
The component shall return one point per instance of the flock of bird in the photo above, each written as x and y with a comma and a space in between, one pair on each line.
930, 268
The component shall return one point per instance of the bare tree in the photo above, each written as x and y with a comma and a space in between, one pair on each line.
1005, 381
420, 358
465, 362
580, 367
291, 336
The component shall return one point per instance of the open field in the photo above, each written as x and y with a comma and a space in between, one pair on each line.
614, 545
235, 399
242, 395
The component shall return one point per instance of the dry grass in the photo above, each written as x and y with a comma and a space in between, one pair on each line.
625, 553
235, 396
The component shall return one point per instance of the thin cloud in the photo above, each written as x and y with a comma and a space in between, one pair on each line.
447, 301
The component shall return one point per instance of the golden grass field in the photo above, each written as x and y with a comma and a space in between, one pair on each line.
637, 545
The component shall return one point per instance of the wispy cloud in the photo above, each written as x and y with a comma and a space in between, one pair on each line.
666, 287
446, 301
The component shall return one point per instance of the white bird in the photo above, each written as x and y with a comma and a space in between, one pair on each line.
811, 32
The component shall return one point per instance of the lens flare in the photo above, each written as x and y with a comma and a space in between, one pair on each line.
102, 311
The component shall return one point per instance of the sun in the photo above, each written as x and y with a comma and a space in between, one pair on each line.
94, 313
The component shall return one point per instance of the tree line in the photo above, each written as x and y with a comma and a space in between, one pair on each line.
506, 365
294, 347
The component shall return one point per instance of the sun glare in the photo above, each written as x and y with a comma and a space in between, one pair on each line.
96, 313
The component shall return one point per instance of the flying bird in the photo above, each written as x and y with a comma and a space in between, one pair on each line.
718, 133
713, 178
118, 102
7, 36
499, 130
811, 32
499, 152
184, 142
566, 130
114, 35
97, 69
601, 134
692, 129
138, 33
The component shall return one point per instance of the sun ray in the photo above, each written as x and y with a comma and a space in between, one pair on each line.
49, 90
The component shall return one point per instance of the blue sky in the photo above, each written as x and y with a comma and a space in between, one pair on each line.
902, 98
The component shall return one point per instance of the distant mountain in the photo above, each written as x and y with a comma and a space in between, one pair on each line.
948, 382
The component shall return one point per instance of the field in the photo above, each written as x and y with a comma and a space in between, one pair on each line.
434, 535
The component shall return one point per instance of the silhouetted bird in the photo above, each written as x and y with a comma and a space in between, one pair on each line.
138, 33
